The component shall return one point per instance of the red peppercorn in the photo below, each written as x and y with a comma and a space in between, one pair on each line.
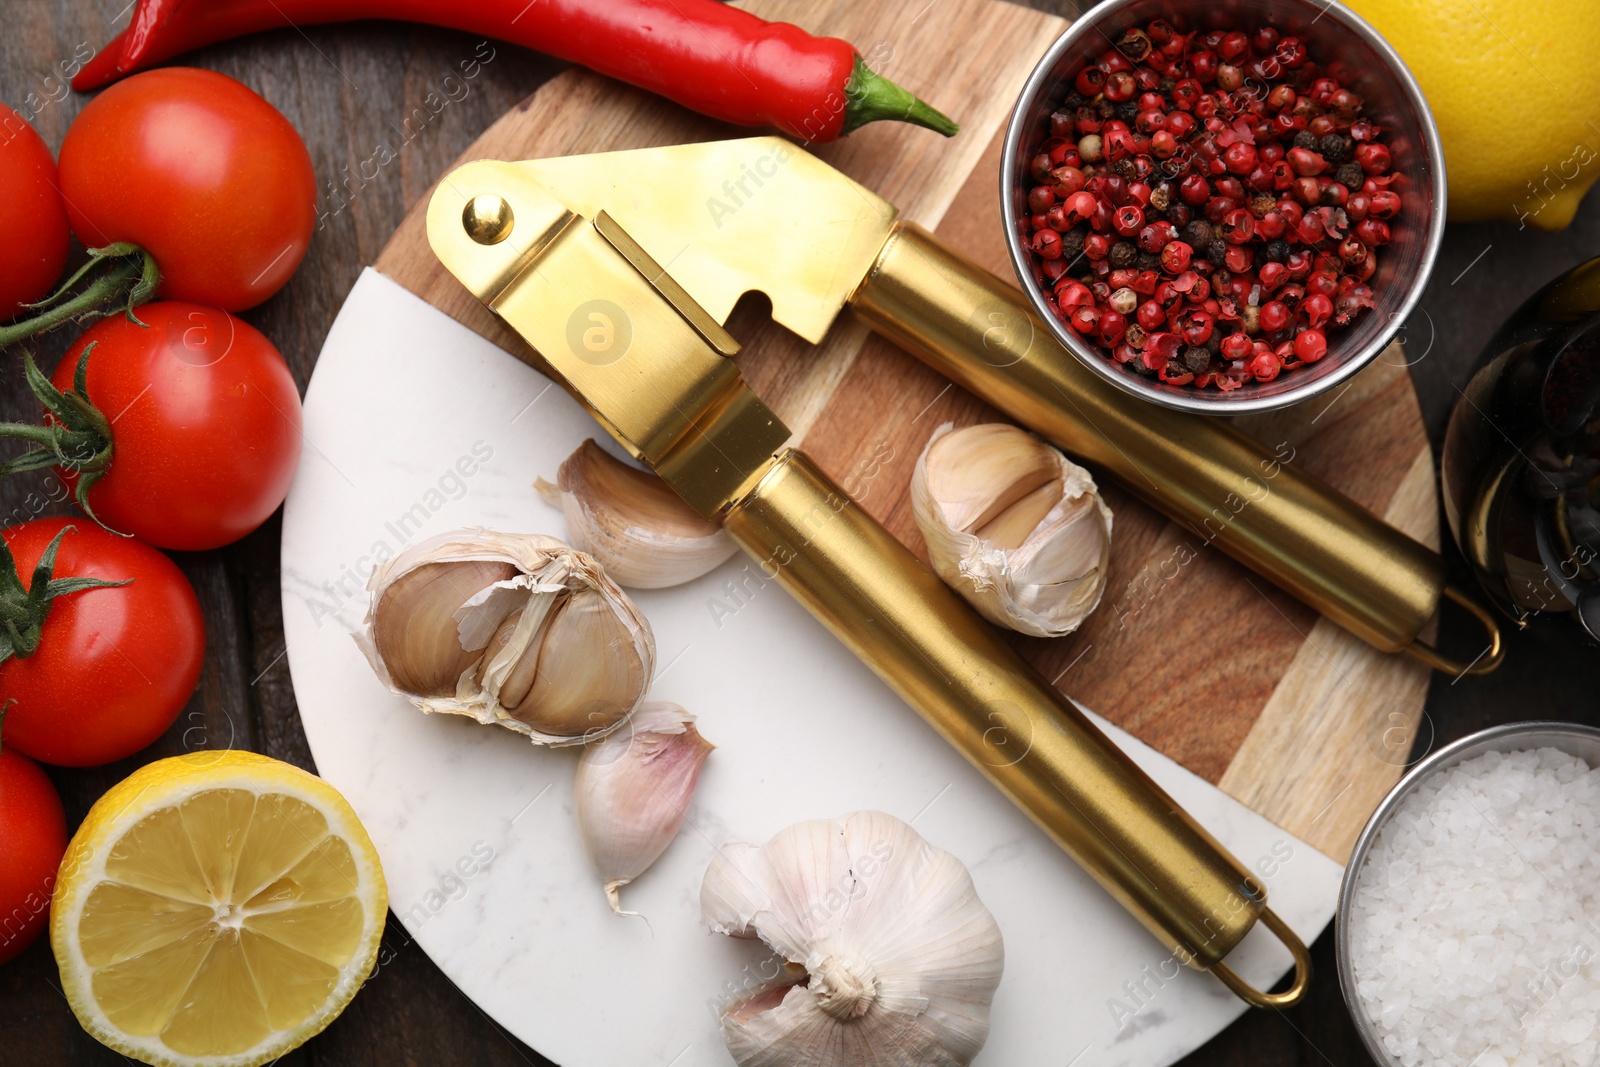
1175, 257
1146, 282
1203, 66
1373, 157
1265, 39
1047, 243
1181, 124
1264, 366
1097, 246
1194, 190
1282, 98
1274, 315
1055, 268
1310, 345
1128, 220
1196, 327
1238, 226
1372, 232
1090, 80
1239, 258
1316, 308
1239, 157
1084, 319
1352, 251
1306, 162
1151, 315
1384, 204
1081, 205
1235, 346
1272, 276
1291, 52
1072, 295
1121, 86
1113, 327
1163, 144
1151, 122
1040, 198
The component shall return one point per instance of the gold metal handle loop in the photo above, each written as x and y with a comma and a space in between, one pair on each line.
1485, 663
1302, 970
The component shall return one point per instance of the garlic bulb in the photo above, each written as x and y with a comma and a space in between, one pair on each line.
900, 958
515, 629
632, 792
1013, 526
642, 532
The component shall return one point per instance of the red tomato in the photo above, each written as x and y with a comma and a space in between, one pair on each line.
33, 837
201, 172
205, 424
33, 220
114, 666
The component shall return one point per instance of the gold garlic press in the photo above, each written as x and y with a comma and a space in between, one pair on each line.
539, 244
760, 213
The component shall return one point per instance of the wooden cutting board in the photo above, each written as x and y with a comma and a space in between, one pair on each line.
1195, 655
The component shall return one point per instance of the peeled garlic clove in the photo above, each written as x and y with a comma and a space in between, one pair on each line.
632, 792
900, 958
642, 532
1013, 526
522, 631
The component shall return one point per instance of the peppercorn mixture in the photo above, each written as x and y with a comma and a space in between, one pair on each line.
1210, 205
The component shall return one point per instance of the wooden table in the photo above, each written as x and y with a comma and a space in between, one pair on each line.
348, 89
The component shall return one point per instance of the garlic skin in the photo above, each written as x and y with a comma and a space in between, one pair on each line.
642, 533
516, 630
903, 958
1013, 526
632, 791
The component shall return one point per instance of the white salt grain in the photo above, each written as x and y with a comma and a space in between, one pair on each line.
1474, 923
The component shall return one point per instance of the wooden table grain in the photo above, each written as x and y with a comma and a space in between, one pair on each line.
367, 92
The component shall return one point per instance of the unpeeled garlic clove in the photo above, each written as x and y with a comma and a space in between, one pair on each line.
632, 791
642, 532
522, 631
1013, 526
899, 959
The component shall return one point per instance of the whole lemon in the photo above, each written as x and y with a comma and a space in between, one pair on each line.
1515, 88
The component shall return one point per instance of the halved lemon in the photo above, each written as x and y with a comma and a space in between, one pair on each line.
216, 908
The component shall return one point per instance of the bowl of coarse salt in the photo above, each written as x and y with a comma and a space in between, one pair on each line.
1469, 917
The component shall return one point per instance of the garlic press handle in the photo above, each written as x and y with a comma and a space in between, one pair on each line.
1220, 485
961, 676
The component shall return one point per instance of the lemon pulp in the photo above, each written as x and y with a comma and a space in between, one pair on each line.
222, 923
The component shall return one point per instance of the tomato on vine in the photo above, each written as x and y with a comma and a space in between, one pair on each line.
184, 184
97, 664
184, 431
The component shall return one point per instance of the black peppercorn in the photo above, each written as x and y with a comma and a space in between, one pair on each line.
1277, 251
1105, 108
1072, 243
1198, 233
1306, 139
1161, 196
1128, 111
1166, 86
1147, 261
1074, 101
1124, 168
1196, 359
1180, 214
1350, 175
1336, 148
1216, 250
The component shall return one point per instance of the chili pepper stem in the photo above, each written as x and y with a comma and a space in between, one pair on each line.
870, 97
130, 278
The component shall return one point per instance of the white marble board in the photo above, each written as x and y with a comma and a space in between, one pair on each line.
415, 425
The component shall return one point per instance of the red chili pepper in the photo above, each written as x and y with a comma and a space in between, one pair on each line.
715, 59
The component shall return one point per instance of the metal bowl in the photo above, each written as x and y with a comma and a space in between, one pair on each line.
1338, 38
1580, 741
